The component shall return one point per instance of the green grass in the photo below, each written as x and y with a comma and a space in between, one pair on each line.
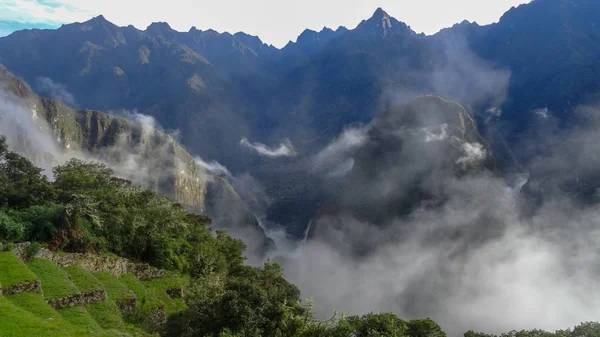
79, 317
114, 288
55, 281
83, 280
158, 287
16, 322
146, 301
106, 314
35, 304
13, 271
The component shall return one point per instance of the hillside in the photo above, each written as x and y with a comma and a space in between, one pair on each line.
137, 151
51, 294
217, 88
81, 284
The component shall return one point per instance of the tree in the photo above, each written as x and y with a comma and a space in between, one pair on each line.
21, 183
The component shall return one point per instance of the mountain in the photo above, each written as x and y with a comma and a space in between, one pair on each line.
136, 151
106, 67
405, 161
552, 49
217, 88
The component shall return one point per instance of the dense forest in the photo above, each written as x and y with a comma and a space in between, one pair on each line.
84, 208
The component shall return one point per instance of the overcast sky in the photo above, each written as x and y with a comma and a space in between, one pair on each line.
274, 21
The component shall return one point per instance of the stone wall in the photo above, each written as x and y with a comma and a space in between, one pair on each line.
155, 321
92, 263
78, 299
175, 292
127, 305
25, 287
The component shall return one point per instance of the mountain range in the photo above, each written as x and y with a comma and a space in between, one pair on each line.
533, 67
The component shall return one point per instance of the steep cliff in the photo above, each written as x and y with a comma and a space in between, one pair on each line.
137, 151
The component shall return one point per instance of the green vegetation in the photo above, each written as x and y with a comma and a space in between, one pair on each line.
145, 295
15, 321
106, 314
83, 280
588, 329
13, 270
55, 281
36, 304
85, 209
114, 288
78, 316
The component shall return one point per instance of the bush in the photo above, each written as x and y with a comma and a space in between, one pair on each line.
31, 250
11, 230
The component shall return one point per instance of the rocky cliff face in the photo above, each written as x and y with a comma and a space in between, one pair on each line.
136, 151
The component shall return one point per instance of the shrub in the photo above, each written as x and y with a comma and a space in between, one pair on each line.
11, 230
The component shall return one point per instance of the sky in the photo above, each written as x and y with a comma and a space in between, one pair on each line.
274, 21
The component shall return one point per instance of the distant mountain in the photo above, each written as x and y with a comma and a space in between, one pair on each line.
217, 88
552, 48
137, 152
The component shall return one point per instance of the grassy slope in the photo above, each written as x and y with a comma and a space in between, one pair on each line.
114, 288
13, 270
55, 281
16, 321
35, 304
83, 280
157, 288
30, 315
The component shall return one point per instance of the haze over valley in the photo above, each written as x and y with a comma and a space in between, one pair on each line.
451, 176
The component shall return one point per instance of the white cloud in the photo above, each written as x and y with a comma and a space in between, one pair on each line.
285, 149
213, 167
431, 136
335, 158
47, 87
472, 152
542, 113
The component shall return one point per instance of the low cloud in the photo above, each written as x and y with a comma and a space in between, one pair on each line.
213, 167
473, 261
49, 88
472, 152
285, 149
436, 134
336, 158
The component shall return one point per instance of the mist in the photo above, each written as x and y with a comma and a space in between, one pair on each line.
476, 262
285, 149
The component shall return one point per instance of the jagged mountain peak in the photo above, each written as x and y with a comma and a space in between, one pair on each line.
380, 14
159, 27
382, 24
99, 18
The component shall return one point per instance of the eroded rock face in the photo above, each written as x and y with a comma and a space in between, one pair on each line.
49, 132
